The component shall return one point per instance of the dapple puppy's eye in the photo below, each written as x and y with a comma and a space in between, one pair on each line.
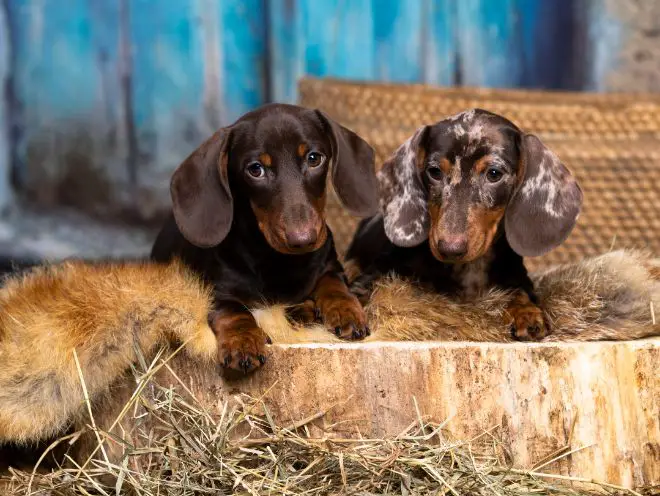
314, 159
255, 169
434, 172
494, 175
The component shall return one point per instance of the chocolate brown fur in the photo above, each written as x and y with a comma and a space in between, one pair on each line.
249, 217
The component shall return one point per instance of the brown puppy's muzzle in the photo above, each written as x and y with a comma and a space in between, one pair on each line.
301, 239
293, 230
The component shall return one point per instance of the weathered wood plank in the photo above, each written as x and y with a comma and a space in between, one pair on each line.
196, 65
398, 36
611, 42
286, 49
68, 100
338, 38
244, 75
169, 90
548, 44
439, 25
489, 43
5, 147
331, 38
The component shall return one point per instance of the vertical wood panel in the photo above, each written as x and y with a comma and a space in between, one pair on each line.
66, 89
286, 49
243, 41
489, 43
168, 91
196, 65
338, 38
5, 151
550, 48
398, 35
332, 38
604, 42
439, 19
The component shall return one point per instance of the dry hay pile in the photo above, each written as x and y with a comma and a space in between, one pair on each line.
180, 448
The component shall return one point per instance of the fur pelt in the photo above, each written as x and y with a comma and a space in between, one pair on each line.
615, 296
106, 311
103, 312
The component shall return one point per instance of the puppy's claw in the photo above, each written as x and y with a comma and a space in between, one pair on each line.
367, 331
338, 331
268, 340
262, 359
245, 364
227, 360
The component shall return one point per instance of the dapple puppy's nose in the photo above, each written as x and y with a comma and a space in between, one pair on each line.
453, 246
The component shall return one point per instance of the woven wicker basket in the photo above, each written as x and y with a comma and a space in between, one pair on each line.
611, 142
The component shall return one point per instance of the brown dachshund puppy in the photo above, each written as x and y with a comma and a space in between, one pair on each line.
248, 215
484, 194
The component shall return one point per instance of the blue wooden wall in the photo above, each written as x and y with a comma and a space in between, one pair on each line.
111, 95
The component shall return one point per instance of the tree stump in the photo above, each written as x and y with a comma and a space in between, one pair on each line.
603, 397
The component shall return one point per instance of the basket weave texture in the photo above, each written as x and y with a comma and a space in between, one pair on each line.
611, 142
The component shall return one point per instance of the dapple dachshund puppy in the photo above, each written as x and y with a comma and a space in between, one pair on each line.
248, 215
484, 194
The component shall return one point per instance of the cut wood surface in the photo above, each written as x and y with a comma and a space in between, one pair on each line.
602, 399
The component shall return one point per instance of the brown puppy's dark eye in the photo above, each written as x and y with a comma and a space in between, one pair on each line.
493, 175
434, 172
314, 159
255, 169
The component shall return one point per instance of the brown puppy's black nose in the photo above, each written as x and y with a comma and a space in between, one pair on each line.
301, 238
453, 247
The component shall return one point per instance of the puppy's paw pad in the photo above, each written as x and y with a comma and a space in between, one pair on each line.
303, 314
527, 323
344, 317
242, 351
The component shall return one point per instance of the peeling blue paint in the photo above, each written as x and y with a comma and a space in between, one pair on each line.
168, 73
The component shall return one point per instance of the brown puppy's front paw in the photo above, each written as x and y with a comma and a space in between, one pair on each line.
344, 316
526, 321
240, 348
304, 313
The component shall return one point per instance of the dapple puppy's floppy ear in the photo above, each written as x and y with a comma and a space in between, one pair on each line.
353, 169
403, 199
546, 205
202, 203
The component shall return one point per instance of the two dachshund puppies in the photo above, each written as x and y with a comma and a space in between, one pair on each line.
456, 207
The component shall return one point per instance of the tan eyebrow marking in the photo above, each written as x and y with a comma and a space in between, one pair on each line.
265, 160
445, 166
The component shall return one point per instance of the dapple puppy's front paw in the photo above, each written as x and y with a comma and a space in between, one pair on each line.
526, 320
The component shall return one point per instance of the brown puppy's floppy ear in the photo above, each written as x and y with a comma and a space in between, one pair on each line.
202, 203
353, 169
402, 195
546, 205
